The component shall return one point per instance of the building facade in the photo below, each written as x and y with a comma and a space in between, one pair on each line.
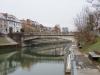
30, 26
9, 23
65, 29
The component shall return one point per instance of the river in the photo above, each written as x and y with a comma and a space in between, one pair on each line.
38, 60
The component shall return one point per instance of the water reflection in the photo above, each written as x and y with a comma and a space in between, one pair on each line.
28, 61
47, 49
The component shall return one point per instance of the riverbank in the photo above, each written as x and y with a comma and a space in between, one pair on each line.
91, 47
6, 42
84, 66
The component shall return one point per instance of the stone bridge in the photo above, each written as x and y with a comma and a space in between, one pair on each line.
21, 37
43, 36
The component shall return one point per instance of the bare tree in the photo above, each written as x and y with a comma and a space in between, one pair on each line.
96, 4
85, 23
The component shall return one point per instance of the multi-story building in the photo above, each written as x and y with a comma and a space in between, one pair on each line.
49, 30
30, 26
65, 29
9, 23
56, 29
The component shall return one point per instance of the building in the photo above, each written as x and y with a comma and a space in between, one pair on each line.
56, 29
9, 23
30, 26
65, 30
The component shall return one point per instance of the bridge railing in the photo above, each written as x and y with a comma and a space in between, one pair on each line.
41, 33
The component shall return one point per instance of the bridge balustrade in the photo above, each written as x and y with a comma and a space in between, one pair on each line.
44, 33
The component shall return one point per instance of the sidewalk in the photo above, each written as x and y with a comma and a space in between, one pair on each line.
83, 64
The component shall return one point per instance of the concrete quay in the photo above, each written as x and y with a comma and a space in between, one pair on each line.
83, 65
8, 42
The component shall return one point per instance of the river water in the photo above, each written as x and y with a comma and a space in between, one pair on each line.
38, 60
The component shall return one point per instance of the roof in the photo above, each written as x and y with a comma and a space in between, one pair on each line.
8, 17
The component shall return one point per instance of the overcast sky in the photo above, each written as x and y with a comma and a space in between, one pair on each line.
47, 12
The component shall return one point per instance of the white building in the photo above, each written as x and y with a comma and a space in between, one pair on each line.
9, 23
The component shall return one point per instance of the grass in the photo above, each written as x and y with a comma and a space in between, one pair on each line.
3, 40
92, 47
